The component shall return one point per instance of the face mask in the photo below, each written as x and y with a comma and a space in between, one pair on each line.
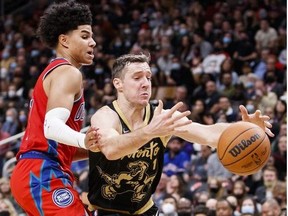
250, 108
99, 70
183, 31
239, 196
19, 44
3, 73
9, 118
22, 118
226, 40
184, 214
127, 31
212, 212
34, 53
5, 55
118, 44
247, 209
11, 93
270, 79
168, 208
154, 70
175, 66
214, 190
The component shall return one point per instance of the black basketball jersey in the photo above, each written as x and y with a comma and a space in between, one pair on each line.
127, 184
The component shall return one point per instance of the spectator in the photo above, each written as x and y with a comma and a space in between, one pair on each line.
239, 190
244, 51
215, 188
211, 95
169, 207
270, 207
201, 210
11, 124
280, 157
224, 207
204, 47
160, 191
249, 206
197, 169
270, 180
175, 187
7, 208
213, 61
175, 158
264, 98
184, 207
266, 36
216, 169
181, 94
260, 66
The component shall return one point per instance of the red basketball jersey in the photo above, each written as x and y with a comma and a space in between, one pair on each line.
34, 138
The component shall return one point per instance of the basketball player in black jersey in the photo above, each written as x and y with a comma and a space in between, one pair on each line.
124, 174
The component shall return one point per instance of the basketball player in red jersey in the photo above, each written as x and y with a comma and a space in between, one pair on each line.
42, 182
125, 173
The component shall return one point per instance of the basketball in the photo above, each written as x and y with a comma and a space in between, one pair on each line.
243, 148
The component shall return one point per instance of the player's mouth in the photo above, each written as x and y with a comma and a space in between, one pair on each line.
91, 54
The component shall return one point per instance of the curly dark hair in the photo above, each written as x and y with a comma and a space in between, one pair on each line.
60, 18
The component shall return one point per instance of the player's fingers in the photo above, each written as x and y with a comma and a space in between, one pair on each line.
268, 124
265, 118
175, 108
244, 113
269, 132
257, 113
181, 123
159, 108
181, 115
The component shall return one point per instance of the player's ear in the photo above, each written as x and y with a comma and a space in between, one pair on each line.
117, 84
63, 40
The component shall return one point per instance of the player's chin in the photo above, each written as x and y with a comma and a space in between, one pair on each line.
87, 62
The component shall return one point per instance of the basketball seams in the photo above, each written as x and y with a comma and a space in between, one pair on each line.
257, 167
247, 153
232, 142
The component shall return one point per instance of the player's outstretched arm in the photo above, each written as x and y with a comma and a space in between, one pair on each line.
114, 145
210, 134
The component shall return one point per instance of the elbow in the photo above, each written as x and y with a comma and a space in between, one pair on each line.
109, 153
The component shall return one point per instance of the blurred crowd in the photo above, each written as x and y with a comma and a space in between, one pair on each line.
212, 55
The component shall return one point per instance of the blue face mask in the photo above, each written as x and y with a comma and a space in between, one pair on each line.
247, 209
227, 40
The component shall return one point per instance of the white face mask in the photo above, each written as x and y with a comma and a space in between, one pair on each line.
247, 209
168, 208
9, 118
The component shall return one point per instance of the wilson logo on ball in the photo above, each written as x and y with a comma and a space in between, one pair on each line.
238, 148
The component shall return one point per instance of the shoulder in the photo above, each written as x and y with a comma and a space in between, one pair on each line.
66, 74
105, 113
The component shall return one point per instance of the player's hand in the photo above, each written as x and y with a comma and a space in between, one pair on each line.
258, 119
166, 122
91, 139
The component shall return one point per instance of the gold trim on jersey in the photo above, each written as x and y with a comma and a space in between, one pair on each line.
145, 208
146, 120
121, 114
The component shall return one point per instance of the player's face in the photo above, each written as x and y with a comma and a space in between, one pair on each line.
136, 83
81, 45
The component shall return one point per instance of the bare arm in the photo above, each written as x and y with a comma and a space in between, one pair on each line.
210, 134
115, 145
62, 87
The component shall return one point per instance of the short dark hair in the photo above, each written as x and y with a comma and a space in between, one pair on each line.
126, 59
60, 18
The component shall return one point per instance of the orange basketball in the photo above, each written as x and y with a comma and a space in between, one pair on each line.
243, 148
